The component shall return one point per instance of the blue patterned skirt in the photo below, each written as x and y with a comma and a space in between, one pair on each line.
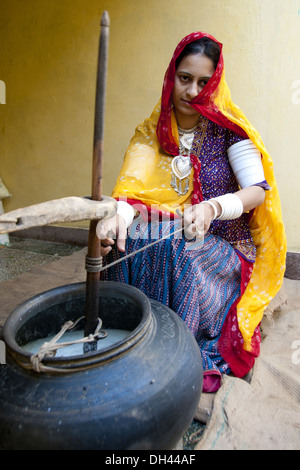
199, 284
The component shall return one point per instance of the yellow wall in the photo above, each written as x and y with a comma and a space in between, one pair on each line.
48, 64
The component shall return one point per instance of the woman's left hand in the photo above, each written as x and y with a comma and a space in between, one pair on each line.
197, 219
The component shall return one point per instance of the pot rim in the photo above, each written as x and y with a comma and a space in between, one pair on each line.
28, 309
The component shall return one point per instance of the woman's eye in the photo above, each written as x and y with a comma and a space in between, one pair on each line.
184, 78
203, 83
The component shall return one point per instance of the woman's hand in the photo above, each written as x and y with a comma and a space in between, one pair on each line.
197, 220
109, 230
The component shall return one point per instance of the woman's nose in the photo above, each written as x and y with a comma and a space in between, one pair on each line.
193, 90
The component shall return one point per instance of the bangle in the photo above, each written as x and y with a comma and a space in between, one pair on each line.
213, 206
126, 211
231, 205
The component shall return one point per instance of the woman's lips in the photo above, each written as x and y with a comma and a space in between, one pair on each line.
186, 102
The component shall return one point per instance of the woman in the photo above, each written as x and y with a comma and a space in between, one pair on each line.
198, 157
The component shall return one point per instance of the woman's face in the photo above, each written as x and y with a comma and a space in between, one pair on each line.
191, 76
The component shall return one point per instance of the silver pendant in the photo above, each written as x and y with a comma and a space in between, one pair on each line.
181, 168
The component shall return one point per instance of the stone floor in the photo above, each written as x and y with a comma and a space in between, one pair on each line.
23, 253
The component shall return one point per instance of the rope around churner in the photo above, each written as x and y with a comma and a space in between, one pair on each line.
49, 348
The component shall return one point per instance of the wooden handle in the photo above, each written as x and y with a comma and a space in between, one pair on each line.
69, 209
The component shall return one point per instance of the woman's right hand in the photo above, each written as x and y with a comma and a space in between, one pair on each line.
109, 230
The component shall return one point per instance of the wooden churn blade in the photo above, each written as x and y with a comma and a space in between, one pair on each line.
93, 258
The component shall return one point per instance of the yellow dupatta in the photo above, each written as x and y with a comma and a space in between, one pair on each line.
146, 172
267, 230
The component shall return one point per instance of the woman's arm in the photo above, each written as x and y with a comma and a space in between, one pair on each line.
197, 218
251, 197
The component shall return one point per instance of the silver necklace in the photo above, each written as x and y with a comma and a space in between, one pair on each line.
181, 164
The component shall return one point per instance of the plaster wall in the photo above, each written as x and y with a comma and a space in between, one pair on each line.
48, 51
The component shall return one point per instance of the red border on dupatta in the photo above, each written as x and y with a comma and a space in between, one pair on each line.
231, 343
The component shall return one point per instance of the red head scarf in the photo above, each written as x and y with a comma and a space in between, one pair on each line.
203, 103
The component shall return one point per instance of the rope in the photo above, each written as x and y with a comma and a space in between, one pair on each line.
93, 265
49, 348
191, 246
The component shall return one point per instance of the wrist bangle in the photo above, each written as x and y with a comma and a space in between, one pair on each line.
213, 206
126, 211
231, 205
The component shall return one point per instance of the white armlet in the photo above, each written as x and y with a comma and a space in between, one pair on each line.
126, 211
245, 161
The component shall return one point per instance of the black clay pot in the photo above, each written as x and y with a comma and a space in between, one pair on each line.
139, 393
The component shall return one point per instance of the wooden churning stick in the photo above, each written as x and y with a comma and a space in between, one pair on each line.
93, 258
